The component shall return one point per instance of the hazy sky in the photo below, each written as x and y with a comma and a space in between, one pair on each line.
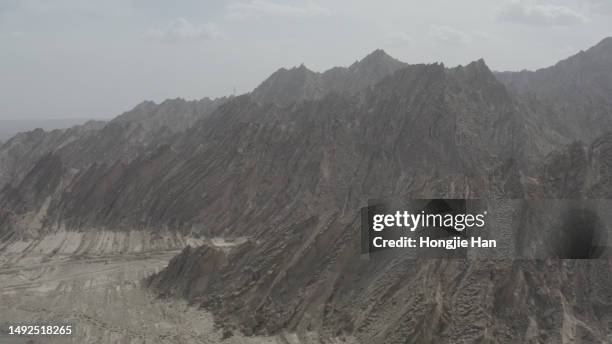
96, 59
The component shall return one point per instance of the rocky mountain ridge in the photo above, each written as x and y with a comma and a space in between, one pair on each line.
289, 166
422, 118
576, 91
287, 86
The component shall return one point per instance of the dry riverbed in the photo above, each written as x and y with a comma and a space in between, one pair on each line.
93, 282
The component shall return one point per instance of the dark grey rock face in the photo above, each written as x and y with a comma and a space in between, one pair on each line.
80, 154
20, 153
426, 131
122, 138
576, 91
579, 171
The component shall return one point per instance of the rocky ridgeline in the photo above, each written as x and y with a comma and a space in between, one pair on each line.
291, 164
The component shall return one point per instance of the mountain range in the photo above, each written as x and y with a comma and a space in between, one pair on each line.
287, 167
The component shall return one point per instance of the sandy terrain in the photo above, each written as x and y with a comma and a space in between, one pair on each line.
92, 281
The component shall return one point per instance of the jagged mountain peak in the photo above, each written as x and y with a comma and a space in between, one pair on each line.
477, 70
376, 55
376, 60
480, 63
378, 52
286, 86
476, 65
475, 74
286, 71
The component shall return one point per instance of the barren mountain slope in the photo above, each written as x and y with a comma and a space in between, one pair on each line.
120, 139
576, 91
310, 276
425, 130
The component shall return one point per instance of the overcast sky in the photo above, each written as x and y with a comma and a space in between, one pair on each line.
96, 59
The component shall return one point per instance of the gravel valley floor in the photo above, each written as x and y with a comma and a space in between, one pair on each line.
92, 281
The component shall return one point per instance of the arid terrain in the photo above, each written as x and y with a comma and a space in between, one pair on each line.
93, 282
245, 209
